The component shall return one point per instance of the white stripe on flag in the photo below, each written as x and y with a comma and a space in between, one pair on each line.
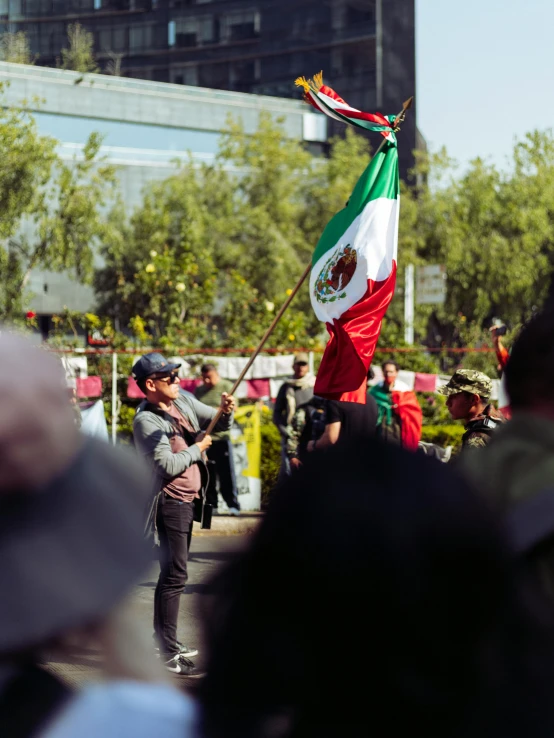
320, 106
335, 104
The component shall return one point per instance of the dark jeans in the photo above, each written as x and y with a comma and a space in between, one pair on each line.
174, 521
221, 453
285, 470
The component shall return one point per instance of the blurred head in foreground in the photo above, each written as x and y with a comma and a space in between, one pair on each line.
71, 509
377, 598
531, 365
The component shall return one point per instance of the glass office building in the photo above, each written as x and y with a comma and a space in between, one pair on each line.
366, 48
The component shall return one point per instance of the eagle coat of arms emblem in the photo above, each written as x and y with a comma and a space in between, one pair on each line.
336, 274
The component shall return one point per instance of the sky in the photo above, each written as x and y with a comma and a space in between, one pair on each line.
485, 74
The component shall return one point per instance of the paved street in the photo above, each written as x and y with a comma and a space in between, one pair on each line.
207, 553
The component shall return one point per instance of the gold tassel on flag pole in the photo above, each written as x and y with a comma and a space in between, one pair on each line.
301, 81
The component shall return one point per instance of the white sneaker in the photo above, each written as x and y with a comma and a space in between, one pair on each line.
182, 666
234, 511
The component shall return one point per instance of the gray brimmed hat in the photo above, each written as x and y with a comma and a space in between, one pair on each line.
71, 549
468, 380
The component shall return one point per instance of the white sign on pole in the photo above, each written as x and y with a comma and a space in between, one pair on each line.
431, 284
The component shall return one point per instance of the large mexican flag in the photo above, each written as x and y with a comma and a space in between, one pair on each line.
353, 277
354, 265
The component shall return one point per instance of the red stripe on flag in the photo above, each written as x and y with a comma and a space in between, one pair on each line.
309, 97
353, 338
331, 93
349, 112
320, 106
411, 417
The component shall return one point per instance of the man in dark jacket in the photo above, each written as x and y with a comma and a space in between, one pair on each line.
168, 432
295, 392
220, 452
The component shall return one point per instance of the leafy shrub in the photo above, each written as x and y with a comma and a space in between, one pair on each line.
125, 424
270, 457
443, 435
434, 409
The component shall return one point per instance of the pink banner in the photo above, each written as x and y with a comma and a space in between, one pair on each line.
190, 384
256, 388
89, 386
425, 382
133, 391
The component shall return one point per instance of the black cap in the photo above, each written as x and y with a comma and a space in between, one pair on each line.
153, 363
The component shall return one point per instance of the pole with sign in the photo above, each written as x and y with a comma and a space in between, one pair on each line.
431, 284
409, 310
114, 398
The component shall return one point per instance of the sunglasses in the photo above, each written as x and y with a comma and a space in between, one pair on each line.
168, 379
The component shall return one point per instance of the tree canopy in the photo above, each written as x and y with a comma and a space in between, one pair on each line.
50, 210
212, 251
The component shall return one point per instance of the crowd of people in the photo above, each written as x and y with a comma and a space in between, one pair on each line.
392, 413
382, 592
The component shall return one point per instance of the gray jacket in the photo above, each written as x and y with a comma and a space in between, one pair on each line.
153, 430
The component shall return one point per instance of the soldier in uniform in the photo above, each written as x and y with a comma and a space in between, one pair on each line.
468, 393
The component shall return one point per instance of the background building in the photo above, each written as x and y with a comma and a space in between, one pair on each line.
146, 128
366, 48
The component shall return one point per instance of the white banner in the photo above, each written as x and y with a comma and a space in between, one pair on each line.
75, 366
264, 367
93, 421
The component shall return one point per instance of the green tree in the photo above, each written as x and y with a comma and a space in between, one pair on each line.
79, 56
49, 210
266, 249
159, 265
235, 243
494, 232
238, 234
14, 47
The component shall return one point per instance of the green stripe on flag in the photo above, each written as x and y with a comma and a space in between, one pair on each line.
380, 179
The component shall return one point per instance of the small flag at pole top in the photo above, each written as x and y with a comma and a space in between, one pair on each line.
326, 100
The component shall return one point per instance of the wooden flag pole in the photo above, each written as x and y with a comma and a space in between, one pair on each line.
260, 346
399, 118
397, 121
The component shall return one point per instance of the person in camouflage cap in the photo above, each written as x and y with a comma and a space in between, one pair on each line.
468, 393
